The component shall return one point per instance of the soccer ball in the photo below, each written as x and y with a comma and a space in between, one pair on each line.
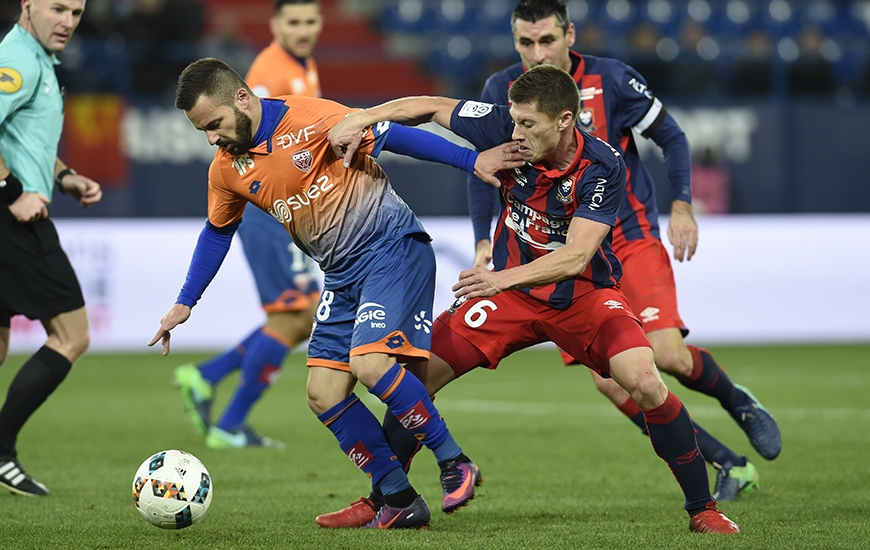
172, 489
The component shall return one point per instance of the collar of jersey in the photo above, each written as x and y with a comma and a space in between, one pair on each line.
273, 112
553, 173
31, 42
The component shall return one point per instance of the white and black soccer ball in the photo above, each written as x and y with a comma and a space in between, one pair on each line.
172, 489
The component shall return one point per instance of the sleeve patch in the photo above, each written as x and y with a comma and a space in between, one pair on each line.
10, 80
475, 109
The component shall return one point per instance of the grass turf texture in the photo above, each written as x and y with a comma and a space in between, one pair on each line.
562, 468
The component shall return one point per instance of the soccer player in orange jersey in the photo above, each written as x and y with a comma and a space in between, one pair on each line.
286, 66
286, 278
379, 267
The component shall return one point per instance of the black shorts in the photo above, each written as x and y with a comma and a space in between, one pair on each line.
36, 277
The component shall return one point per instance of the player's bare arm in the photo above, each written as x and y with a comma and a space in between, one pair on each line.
347, 134
683, 230
584, 238
176, 315
500, 157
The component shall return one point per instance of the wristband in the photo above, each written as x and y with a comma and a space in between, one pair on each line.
10, 189
58, 179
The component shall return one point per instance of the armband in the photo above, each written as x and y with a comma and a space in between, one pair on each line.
58, 179
10, 189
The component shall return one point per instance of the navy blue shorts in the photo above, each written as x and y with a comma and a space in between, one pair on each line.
389, 311
286, 278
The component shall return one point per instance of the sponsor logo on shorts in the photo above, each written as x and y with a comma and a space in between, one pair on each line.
415, 418
422, 323
373, 313
650, 314
359, 455
613, 304
475, 109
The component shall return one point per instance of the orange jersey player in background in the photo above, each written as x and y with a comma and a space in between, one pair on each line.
285, 67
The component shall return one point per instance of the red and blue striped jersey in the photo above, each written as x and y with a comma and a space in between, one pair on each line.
539, 203
614, 103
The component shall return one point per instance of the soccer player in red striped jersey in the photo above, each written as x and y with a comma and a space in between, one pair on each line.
616, 105
555, 276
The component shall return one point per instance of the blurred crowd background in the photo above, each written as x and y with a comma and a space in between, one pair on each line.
774, 94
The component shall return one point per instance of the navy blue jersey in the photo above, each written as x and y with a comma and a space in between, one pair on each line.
614, 102
539, 203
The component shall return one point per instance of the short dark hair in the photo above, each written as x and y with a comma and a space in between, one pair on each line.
209, 77
281, 3
536, 10
550, 88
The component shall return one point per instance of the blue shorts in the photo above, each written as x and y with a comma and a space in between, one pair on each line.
388, 311
286, 278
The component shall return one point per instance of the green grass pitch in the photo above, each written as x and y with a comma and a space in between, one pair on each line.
562, 468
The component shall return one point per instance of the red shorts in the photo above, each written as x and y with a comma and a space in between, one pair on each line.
648, 283
482, 331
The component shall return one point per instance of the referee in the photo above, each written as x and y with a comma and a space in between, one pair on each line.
36, 278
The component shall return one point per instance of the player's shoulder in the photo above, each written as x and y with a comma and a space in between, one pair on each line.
607, 67
19, 67
499, 81
598, 150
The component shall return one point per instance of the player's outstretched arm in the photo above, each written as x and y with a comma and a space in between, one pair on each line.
176, 315
346, 135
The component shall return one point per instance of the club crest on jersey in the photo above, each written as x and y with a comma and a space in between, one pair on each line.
586, 120
475, 109
565, 191
303, 160
519, 177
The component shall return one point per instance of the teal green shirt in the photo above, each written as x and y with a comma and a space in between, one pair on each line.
31, 110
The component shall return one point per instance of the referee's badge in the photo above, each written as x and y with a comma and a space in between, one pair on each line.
10, 80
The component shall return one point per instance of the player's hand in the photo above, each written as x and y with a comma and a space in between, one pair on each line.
346, 136
482, 253
82, 188
477, 282
176, 315
29, 207
500, 157
683, 230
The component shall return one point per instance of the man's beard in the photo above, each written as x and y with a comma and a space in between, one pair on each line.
244, 136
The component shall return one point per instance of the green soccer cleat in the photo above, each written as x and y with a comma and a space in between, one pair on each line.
197, 395
245, 437
735, 481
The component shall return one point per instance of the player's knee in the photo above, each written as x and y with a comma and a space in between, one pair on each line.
672, 360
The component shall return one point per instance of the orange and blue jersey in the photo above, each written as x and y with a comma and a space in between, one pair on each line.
344, 218
539, 203
276, 72
615, 103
